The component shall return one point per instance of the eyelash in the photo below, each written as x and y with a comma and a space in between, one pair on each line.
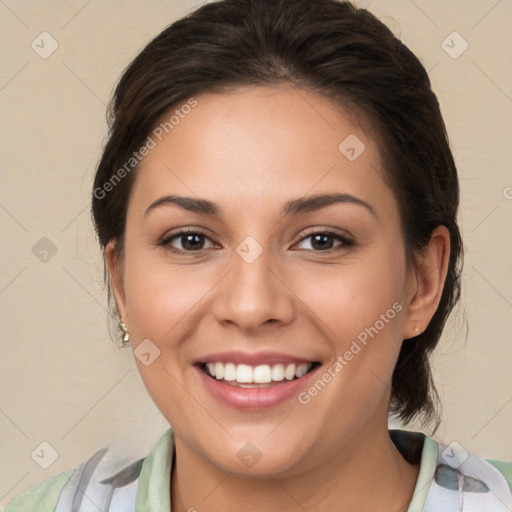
345, 242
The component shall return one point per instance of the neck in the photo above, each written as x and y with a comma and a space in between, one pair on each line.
370, 475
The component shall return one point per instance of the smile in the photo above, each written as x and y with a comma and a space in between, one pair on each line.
255, 386
248, 376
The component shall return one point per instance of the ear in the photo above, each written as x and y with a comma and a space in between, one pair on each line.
115, 272
426, 282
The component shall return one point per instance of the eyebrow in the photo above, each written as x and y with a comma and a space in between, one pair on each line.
293, 207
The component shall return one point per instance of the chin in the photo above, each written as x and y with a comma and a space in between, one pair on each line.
253, 463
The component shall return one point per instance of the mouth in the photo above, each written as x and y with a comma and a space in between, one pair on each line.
255, 381
258, 376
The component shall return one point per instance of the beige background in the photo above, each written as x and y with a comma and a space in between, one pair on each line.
62, 380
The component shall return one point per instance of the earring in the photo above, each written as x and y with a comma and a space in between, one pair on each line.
416, 330
126, 336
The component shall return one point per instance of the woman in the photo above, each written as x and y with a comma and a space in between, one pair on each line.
277, 207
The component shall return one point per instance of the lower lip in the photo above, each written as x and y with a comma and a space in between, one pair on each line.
254, 398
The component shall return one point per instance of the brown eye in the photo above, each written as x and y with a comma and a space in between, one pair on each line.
322, 241
186, 241
325, 240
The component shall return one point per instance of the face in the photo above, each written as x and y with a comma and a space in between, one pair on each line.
286, 257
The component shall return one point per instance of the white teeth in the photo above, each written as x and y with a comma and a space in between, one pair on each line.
262, 374
219, 370
289, 372
278, 372
243, 373
301, 370
230, 372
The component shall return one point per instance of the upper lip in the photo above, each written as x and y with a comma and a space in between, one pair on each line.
253, 358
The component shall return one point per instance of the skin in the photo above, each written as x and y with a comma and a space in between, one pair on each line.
250, 151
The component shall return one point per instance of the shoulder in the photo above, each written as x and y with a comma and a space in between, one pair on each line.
450, 475
108, 479
42, 496
482, 484
102, 478
504, 467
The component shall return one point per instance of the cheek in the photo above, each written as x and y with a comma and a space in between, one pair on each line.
361, 311
162, 303
160, 298
352, 297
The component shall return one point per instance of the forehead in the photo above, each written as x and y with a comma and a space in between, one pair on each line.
270, 143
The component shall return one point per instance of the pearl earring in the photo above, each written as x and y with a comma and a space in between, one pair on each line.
416, 330
126, 336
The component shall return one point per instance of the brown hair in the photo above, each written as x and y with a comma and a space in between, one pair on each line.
333, 49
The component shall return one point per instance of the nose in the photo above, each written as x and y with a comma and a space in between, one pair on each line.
254, 294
